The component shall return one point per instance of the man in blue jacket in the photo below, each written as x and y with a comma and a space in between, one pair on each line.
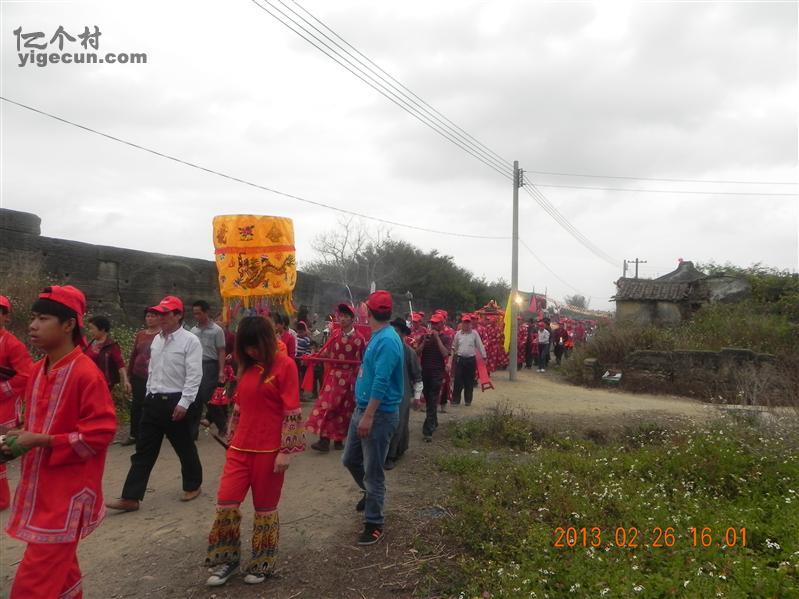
378, 394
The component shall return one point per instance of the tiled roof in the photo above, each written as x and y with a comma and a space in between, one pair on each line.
647, 290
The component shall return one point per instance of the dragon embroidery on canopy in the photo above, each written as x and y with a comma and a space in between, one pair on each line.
253, 271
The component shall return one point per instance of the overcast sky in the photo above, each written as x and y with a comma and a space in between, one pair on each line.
664, 90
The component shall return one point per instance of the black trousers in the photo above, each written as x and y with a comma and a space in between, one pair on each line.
529, 358
155, 424
465, 370
432, 391
216, 414
558, 349
543, 355
139, 386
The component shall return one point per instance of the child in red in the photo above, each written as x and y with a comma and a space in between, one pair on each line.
69, 423
16, 361
265, 429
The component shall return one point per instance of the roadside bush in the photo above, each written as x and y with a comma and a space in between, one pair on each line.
632, 503
611, 344
745, 325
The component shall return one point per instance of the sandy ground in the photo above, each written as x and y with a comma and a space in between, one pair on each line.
158, 551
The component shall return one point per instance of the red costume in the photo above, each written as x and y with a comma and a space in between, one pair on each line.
521, 345
330, 416
59, 499
493, 338
13, 355
267, 420
446, 383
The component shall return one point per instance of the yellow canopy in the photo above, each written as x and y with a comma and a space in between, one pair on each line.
256, 260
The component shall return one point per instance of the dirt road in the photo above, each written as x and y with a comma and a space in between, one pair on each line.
158, 551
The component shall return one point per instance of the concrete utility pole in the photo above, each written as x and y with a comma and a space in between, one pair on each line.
514, 276
624, 272
636, 262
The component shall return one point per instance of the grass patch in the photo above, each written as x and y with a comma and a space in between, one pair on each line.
516, 484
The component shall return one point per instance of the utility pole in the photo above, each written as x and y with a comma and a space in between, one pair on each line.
514, 276
636, 262
624, 272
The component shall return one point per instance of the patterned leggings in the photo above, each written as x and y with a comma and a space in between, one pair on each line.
245, 470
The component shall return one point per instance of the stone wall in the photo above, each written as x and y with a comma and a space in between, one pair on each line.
644, 313
121, 283
731, 375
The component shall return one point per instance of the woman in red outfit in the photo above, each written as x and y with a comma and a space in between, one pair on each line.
106, 353
330, 416
265, 429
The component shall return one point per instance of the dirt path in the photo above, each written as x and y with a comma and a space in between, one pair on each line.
157, 552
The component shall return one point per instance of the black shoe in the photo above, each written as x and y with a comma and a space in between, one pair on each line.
128, 441
428, 439
322, 445
361, 505
372, 533
338, 445
468, 403
389, 465
221, 575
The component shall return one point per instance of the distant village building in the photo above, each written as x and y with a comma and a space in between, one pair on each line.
674, 297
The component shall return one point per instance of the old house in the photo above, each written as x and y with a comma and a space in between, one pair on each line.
672, 298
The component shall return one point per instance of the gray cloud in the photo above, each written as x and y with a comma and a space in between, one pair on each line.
687, 90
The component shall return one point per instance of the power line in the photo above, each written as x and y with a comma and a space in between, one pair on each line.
719, 193
395, 83
278, 192
304, 33
244, 181
542, 201
406, 102
552, 272
663, 179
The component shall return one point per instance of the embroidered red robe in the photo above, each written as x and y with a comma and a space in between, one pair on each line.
59, 498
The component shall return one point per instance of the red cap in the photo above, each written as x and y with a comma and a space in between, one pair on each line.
346, 309
68, 296
379, 301
416, 317
466, 318
5, 303
443, 313
168, 304
437, 317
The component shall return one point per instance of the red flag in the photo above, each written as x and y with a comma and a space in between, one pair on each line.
482, 373
533, 305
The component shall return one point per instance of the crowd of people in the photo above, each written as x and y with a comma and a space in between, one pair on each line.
58, 415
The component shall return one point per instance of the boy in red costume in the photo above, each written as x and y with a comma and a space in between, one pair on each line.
16, 364
69, 423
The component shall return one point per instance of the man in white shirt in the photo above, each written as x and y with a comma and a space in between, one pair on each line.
465, 346
543, 346
173, 379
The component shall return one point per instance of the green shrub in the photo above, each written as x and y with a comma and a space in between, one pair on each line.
729, 475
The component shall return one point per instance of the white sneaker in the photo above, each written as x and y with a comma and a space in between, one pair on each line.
254, 578
222, 574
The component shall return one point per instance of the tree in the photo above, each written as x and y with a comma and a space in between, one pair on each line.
350, 254
354, 255
576, 300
